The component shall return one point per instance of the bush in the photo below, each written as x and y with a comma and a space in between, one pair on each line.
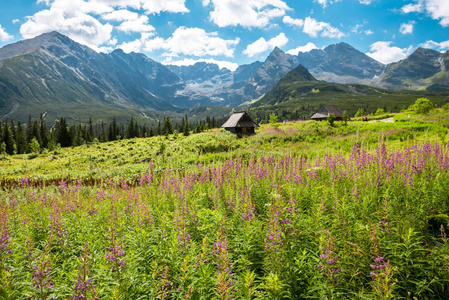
331, 119
379, 112
422, 106
360, 112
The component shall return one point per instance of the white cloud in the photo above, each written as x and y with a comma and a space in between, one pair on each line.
193, 41
293, 22
437, 9
247, 13
188, 62
357, 28
407, 28
383, 52
158, 6
312, 27
121, 15
262, 45
418, 7
306, 48
138, 25
79, 26
133, 46
79, 19
4, 36
104, 6
369, 32
15, 21
324, 3
366, 2
442, 46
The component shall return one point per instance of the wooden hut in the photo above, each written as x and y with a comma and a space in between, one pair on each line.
323, 113
240, 123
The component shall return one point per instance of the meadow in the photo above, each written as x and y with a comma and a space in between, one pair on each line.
299, 210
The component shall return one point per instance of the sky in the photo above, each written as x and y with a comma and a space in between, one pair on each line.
233, 32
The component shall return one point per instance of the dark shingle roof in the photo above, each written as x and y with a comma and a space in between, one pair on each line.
239, 119
325, 110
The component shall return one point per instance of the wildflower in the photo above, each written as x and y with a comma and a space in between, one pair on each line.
63, 187
24, 182
225, 276
84, 285
115, 257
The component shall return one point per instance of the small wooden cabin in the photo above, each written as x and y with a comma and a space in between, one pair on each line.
240, 123
323, 113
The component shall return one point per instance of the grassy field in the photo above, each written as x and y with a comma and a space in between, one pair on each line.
299, 210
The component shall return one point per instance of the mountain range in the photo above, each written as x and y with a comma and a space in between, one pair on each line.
55, 75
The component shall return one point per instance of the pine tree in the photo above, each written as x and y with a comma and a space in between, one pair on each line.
8, 138
130, 129
13, 130
43, 132
159, 128
167, 128
63, 135
208, 123
29, 130
21, 140
90, 132
114, 131
186, 128
35, 131
103, 136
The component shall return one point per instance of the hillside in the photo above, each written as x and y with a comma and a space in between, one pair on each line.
298, 95
421, 70
256, 216
340, 63
53, 75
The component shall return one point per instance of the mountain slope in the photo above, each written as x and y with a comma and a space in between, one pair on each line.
271, 71
420, 70
340, 63
298, 95
52, 72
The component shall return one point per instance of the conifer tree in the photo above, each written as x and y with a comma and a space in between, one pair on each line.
167, 128
186, 128
13, 130
43, 132
103, 136
63, 136
29, 129
130, 129
21, 141
90, 131
8, 138
35, 131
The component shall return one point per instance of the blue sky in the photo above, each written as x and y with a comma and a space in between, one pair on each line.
233, 32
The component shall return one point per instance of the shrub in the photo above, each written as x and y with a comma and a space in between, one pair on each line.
379, 112
422, 106
360, 112
331, 119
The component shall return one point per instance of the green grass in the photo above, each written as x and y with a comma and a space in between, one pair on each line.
118, 158
299, 210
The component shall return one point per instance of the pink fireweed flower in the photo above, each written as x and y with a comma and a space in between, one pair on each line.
115, 257
24, 182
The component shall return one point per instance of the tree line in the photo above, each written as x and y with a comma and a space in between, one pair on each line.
32, 137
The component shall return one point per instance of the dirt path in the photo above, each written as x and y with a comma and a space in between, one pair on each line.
387, 120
